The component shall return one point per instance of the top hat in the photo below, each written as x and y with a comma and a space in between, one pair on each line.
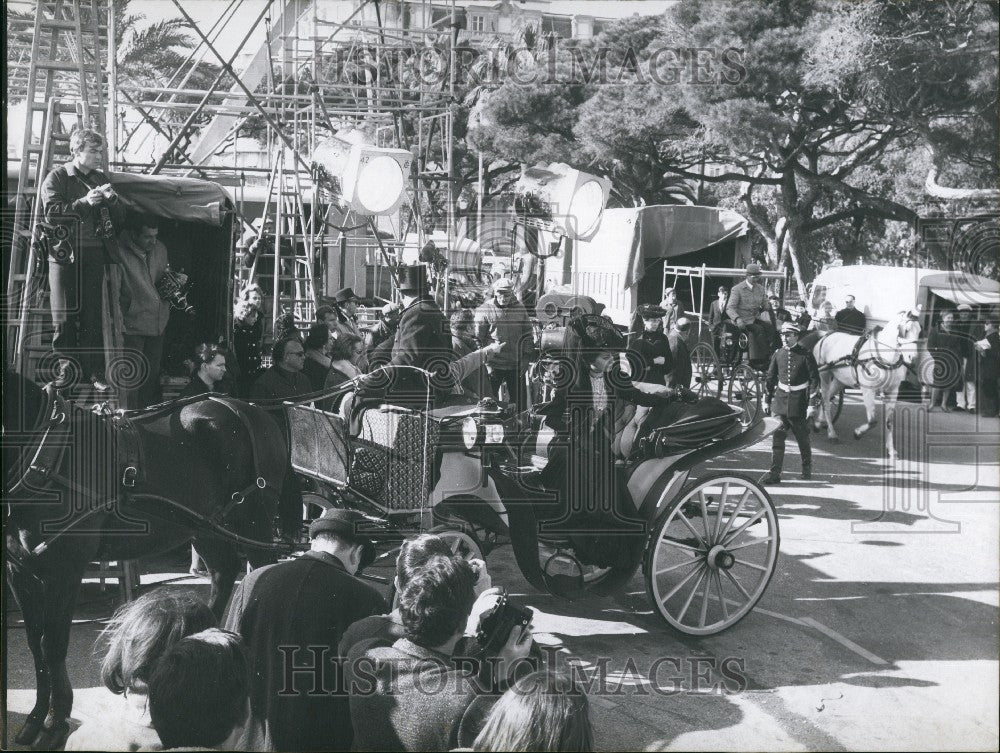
344, 295
345, 523
413, 278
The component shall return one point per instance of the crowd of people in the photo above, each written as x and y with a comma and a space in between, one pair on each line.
309, 657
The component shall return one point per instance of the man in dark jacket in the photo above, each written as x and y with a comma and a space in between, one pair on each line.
849, 319
84, 212
792, 377
681, 374
423, 338
800, 317
292, 616
285, 380
988, 371
504, 320
650, 347
946, 347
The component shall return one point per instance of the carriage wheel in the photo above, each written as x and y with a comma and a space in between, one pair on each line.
745, 392
712, 554
462, 541
704, 369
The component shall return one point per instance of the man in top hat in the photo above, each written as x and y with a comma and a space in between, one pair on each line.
423, 338
650, 347
503, 320
792, 377
292, 616
748, 308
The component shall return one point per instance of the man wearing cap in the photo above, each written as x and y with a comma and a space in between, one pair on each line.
849, 319
292, 616
650, 347
792, 377
504, 320
673, 309
423, 338
747, 307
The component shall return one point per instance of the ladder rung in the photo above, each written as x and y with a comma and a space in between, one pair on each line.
58, 23
57, 65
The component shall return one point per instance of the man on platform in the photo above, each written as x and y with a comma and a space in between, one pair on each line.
144, 313
747, 307
849, 319
792, 377
83, 211
673, 309
292, 616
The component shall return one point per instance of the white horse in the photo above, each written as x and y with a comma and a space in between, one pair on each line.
880, 365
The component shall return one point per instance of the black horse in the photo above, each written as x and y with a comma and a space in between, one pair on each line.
80, 486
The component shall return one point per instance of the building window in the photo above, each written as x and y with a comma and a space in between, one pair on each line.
477, 23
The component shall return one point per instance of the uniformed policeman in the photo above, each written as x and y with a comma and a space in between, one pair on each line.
792, 377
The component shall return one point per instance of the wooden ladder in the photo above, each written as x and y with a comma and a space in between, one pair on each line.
64, 77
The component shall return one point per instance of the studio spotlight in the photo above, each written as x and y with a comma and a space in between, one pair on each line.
562, 199
369, 179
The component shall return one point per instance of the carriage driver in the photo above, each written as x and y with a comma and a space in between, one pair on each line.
792, 377
749, 310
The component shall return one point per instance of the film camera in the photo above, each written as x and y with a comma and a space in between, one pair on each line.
104, 226
173, 287
496, 625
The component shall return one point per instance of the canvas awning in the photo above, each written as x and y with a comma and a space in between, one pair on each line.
661, 232
186, 199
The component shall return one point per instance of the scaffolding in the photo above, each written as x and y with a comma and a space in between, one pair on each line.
386, 70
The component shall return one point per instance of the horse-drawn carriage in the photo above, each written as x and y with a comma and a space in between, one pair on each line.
473, 472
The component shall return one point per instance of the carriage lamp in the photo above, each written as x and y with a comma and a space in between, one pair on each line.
562, 199
369, 179
485, 426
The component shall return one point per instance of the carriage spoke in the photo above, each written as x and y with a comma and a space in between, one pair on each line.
751, 564
722, 506
738, 585
736, 513
704, 602
704, 515
679, 545
756, 516
684, 580
683, 517
755, 542
722, 596
690, 598
679, 565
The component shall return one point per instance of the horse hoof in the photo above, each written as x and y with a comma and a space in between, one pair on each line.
52, 738
28, 732
857, 434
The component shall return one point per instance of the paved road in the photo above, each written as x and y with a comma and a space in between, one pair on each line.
878, 632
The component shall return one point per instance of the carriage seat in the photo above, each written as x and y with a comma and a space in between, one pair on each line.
681, 424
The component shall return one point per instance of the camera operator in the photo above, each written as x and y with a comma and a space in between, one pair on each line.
413, 695
144, 312
83, 211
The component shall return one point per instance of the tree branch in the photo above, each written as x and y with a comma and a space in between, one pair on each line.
889, 209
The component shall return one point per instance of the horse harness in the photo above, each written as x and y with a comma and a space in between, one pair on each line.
854, 360
54, 422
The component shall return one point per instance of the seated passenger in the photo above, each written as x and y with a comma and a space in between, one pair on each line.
209, 370
139, 634
319, 341
248, 334
346, 352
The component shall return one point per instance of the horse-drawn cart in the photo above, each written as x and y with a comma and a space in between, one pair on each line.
471, 473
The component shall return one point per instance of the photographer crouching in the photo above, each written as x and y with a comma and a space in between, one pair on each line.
82, 213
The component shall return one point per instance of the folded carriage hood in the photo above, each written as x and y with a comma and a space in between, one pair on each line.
186, 199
